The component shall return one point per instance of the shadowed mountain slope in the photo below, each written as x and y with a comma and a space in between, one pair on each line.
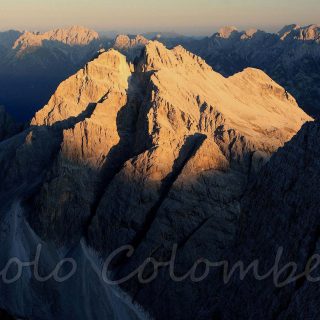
279, 228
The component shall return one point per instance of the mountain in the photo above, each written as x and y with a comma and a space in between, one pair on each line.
8, 38
226, 32
152, 153
131, 46
128, 42
73, 36
33, 64
295, 32
288, 30
5, 316
8, 127
291, 57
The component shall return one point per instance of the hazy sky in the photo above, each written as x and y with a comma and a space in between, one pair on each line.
186, 16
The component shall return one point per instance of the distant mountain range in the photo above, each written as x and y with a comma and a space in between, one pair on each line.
33, 64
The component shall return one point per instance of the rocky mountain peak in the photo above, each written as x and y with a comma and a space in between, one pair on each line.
227, 31
108, 71
156, 56
307, 33
75, 35
111, 71
311, 32
287, 29
248, 34
127, 42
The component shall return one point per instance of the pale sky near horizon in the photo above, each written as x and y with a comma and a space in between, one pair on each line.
184, 16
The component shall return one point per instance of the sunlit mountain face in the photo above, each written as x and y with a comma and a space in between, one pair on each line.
159, 175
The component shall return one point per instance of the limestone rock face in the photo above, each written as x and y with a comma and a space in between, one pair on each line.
150, 154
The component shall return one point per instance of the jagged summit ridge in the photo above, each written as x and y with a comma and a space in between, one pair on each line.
214, 90
131, 46
248, 34
311, 32
126, 42
109, 71
156, 56
75, 35
294, 31
52, 61
152, 115
226, 32
287, 29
